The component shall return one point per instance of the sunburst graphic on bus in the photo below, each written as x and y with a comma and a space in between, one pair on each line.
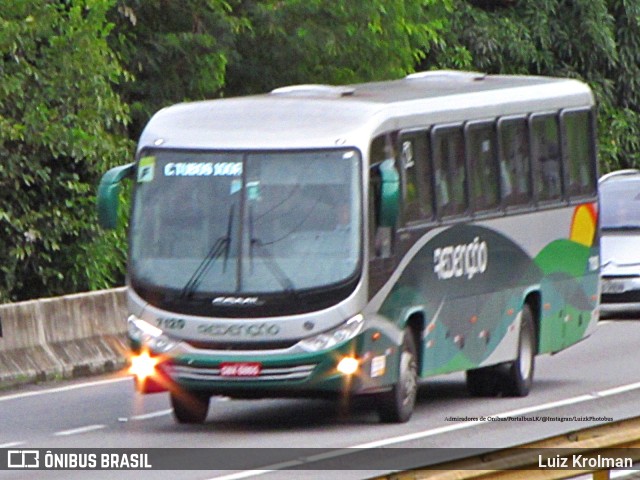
584, 224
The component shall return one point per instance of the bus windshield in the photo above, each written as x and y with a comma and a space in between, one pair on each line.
212, 223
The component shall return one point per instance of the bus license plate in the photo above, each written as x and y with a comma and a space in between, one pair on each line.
243, 369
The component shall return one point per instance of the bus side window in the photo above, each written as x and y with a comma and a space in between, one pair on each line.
515, 165
579, 152
449, 171
416, 176
483, 166
545, 147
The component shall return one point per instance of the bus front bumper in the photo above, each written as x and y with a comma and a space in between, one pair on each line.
367, 363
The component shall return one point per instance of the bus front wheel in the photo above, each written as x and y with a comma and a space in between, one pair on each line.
189, 407
396, 405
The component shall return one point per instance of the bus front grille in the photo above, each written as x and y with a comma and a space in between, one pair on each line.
279, 374
241, 346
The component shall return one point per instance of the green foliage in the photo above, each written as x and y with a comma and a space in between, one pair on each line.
542, 37
597, 41
74, 72
335, 42
77, 77
60, 125
619, 142
620, 117
200, 49
176, 51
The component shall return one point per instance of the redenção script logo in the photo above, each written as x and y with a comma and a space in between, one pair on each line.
253, 330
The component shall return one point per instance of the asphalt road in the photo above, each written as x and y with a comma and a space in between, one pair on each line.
600, 377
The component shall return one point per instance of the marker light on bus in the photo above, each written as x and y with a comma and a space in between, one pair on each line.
338, 335
348, 365
149, 336
143, 365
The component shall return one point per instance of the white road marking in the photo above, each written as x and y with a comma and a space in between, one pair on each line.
63, 389
74, 431
438, 431
245, 474
616, 390
162, 413
11, 444
144, 416
472, 423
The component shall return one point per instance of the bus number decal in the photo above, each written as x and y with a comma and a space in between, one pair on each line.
171, 323
458, 260
227, 169
203, 169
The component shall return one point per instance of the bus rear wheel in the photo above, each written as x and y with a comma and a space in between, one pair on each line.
396, 405
189, 407
511, 379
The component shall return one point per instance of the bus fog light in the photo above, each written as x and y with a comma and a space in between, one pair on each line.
348, 365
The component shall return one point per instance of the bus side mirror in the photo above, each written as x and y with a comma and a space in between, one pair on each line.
109, 195
389, 194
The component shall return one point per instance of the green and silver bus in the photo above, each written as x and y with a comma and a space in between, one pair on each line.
333, 241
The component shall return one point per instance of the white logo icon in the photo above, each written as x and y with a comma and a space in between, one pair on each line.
23, 459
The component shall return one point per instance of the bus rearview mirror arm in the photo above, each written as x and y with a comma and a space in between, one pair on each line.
109, 195
389, 194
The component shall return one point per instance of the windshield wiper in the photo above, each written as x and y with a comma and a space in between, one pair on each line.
219, 247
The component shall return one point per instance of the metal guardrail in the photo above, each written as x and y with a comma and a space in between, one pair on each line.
613, 440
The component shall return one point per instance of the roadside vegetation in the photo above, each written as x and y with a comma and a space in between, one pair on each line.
80, 78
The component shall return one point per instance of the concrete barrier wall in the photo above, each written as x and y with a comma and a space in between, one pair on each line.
62, 337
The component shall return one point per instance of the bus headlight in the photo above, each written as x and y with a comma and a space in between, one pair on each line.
338, 335
148, 335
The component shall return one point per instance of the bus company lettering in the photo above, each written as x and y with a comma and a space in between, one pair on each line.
203, 169
226, 330
459, 260
236, 301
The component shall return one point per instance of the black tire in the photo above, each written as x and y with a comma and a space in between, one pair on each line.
189, 408
519, 375
396, 405
483, 382
510, 379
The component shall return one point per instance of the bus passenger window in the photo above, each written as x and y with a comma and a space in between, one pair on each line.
515, 167
483, 168
579, 152
416, 177
546, 155
449, 171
